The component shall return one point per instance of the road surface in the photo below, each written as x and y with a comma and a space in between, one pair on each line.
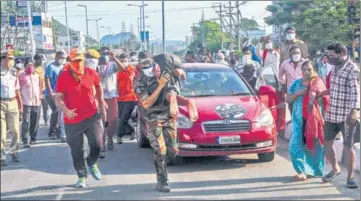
46, 173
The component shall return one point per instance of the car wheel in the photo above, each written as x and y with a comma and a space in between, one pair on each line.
142, 141
266, 157
178, 160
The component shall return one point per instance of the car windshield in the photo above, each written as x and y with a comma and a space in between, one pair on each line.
213, 81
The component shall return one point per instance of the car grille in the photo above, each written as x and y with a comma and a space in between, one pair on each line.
227, 126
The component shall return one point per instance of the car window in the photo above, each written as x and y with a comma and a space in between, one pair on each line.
213, 82
267, 76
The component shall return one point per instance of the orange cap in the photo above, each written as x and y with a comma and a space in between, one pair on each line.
76, 54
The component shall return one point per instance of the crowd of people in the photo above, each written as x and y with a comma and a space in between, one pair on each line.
95, 92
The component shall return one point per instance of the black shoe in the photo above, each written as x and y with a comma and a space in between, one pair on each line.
53, 137
110, 144
120, 140
27, 145
163, 187
351, 184
132, 137
15, 157
102, 155
3, 163
32, 141
62, 139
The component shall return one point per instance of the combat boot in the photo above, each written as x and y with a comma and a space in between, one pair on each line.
162, 186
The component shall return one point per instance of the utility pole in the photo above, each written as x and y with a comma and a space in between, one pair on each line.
87, 29
67, 27
230, 26
142, 22
31, 38
221, 22
163, 28
238, 26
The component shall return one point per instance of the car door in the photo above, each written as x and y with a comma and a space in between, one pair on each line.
276, 103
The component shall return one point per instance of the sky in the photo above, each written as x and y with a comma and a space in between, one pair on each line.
179, 16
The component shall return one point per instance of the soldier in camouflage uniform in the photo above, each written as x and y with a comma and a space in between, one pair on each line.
158, 97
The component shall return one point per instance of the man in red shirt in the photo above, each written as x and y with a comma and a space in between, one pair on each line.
127, 99
75, 97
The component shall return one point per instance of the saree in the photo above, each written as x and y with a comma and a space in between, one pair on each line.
310, 163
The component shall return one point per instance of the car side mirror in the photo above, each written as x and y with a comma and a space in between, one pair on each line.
268, 95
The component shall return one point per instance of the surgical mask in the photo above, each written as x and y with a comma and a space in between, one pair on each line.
62, 61
269, 46
92, 63
148, 71
18, 65
296, 58
291, 36
106, 58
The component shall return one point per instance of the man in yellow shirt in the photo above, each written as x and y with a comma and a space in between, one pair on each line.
39, 69
290, 42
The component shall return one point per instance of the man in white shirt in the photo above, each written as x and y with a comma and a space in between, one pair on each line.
270, 56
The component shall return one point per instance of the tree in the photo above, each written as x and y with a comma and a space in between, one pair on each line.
248, 24
318, 22
212, 36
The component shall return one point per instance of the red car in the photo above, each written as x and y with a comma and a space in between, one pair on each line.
233, 118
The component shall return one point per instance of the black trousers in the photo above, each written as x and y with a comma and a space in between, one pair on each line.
93, 129
54, 115
125, 110
30, 122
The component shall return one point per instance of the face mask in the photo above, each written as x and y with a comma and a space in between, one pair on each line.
291, 36
106, 59
296, 58
19, 65
333, 61
30, 69
77, 67
62, 61
92, 63
148, 71
269, 46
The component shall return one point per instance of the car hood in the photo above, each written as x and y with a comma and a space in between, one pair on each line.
224, 107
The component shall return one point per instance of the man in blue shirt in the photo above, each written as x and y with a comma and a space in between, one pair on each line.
51, 76
248, 43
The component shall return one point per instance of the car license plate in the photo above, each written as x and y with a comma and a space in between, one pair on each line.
229, 140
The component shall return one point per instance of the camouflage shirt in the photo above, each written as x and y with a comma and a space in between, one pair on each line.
144, 86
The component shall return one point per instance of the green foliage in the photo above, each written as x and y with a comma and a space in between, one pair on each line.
212, 36
318, 22
248, 24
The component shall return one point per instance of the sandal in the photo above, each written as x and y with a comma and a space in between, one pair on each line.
351, 184
330, 176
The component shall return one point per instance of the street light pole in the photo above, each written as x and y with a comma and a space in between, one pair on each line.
67, 27
110, 47
142, 22
86, 20
96, 21
163, 27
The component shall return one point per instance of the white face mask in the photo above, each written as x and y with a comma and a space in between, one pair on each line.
291, 36
296, 58
19, 65
92, 63
62, 61
269, 46
148, 71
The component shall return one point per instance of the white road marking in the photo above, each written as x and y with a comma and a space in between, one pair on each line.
59, 196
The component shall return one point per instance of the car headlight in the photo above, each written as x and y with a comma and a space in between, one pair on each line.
184, 122
265, 118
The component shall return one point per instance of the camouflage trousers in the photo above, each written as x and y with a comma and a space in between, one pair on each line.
162, 136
